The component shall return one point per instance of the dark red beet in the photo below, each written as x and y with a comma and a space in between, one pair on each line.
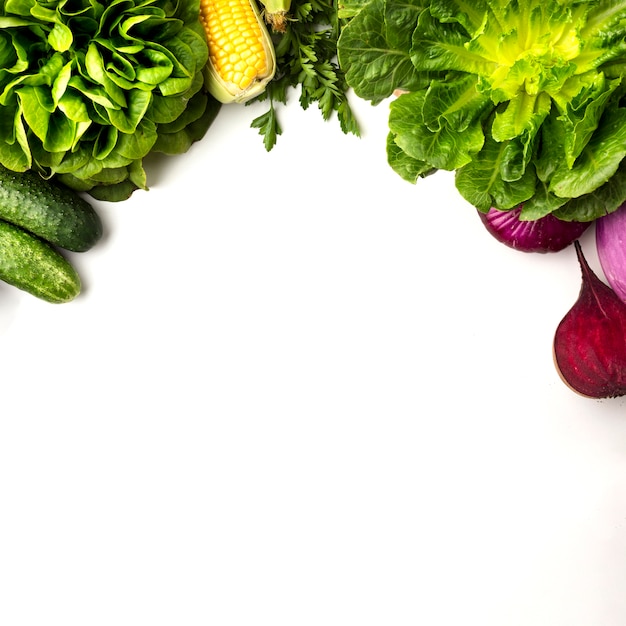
590, 341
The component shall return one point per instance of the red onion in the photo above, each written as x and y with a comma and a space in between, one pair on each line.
590, 341
611, 247
546, 234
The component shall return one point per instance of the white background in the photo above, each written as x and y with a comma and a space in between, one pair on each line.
299, 391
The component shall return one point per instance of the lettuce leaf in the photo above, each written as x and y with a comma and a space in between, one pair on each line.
523, 99
89, 88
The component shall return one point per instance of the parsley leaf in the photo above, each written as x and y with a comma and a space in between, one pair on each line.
268, 126
306, 57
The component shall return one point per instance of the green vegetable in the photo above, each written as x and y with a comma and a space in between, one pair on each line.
523, 99
49, 210
306, 51
33, 265
88, 88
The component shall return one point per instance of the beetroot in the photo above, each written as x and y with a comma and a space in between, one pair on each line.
590, 341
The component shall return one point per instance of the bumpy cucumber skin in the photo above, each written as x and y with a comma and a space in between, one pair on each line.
32, 265
49, 210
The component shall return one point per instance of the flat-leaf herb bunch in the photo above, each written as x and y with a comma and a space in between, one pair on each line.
306, 58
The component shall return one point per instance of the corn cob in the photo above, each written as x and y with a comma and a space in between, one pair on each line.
242, 59
276, 14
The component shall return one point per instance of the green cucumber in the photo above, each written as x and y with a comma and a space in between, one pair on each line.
33, 265
49, 210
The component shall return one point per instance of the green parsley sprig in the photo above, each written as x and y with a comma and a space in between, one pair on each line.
306, 54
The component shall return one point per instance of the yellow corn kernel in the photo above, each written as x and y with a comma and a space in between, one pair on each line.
242, 59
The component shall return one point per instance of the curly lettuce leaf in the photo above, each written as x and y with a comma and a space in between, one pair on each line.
482, 183
374, 49
439, 144
405, 166
541, 81
89, 88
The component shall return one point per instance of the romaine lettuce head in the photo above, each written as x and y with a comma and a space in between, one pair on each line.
88, 88
523, 99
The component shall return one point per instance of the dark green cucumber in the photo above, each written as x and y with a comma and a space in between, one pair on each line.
33, 265
49, 210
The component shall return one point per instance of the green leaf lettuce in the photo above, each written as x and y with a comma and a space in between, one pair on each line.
88, 88
523, 99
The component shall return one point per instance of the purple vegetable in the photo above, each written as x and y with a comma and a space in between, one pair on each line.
547, 234
590, 341
611, 247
